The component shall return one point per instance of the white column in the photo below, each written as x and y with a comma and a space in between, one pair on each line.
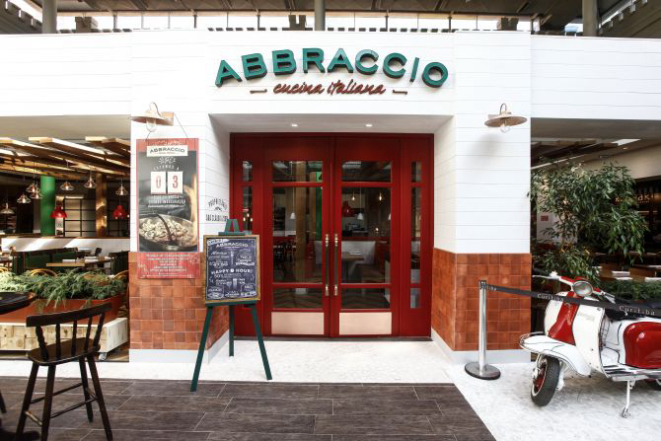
482, 176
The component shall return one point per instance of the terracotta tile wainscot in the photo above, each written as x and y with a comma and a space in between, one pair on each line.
455, 298
169, 313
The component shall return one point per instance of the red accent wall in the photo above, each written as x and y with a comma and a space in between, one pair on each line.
169, 313
455, 302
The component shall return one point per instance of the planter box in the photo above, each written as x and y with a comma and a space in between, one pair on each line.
18, 337
38, 307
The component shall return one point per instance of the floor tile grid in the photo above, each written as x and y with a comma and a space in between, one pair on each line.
420, 427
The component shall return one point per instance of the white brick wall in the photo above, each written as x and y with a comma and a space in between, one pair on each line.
482, 175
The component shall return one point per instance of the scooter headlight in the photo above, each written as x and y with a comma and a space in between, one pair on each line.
582, 288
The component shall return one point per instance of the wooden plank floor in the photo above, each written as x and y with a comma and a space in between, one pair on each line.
166, 410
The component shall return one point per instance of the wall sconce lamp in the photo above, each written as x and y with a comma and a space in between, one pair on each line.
505, 120
153, 118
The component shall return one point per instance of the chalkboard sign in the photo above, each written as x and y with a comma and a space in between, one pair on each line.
232, 269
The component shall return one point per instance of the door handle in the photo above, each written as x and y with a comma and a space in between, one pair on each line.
328, 273
338, 262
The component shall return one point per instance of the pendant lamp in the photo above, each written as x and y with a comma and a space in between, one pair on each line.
347, 211
23, 199
32, 188
119, 213
6, 210
66, 186
58, 213
121, 191
36, 195
90, 184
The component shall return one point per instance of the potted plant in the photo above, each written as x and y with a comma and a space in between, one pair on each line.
66, 291
594, 210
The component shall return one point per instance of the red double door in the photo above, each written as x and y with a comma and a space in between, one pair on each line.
345, 226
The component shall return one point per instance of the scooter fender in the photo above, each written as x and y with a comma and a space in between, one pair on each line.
569, 354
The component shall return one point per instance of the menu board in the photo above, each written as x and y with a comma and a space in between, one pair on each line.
168, 208
232, 268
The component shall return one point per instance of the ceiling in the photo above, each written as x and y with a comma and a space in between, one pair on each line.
325, 123
70, 127
554, 14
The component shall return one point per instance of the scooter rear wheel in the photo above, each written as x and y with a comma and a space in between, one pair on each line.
545, 380
654, 384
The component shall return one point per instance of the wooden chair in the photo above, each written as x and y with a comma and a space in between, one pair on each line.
73, 350
41, 272
123, 275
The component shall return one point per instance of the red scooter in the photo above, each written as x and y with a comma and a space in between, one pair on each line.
623, 346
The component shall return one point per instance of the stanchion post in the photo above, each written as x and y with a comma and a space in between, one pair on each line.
481, 369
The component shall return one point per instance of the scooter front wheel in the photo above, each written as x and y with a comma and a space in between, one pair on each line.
545, 380
654, 384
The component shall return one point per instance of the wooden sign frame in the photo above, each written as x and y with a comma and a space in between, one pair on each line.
258, 279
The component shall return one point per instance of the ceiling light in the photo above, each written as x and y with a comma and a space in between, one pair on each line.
58, 213
90, 183
6, 210
66, 186
294, 125
32, 188
119, 213
121, 191
153, 118
23, 199
368, 125
505, 120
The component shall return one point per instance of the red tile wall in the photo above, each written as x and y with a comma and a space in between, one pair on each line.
455, 302
169, 313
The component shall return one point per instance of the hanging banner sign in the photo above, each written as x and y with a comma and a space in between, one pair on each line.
168, 229
366, 62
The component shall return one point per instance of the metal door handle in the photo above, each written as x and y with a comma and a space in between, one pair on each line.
338, 262
328, 273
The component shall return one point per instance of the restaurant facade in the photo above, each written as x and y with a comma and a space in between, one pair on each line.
362, 160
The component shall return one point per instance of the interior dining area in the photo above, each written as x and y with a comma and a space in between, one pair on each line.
64, 233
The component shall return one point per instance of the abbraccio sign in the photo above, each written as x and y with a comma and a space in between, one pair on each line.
367, 62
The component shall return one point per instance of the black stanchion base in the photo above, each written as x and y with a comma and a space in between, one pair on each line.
487, 373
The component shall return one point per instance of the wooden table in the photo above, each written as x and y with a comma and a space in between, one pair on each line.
81, 263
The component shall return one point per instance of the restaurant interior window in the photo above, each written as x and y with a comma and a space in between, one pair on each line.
80, 221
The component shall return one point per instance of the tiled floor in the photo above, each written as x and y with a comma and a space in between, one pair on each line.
166, 410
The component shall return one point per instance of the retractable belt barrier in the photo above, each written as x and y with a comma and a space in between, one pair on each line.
484, 371
641, 309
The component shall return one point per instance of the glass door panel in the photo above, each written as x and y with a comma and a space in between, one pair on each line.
364, 205
297, 235
298, 254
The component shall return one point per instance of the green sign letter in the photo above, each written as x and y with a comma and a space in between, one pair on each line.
225, 72
366, 53
438, 67
284, 62
395, 56
253, 66
313, 55
340, 60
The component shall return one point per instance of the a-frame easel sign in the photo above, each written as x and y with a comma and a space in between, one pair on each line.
231, 277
